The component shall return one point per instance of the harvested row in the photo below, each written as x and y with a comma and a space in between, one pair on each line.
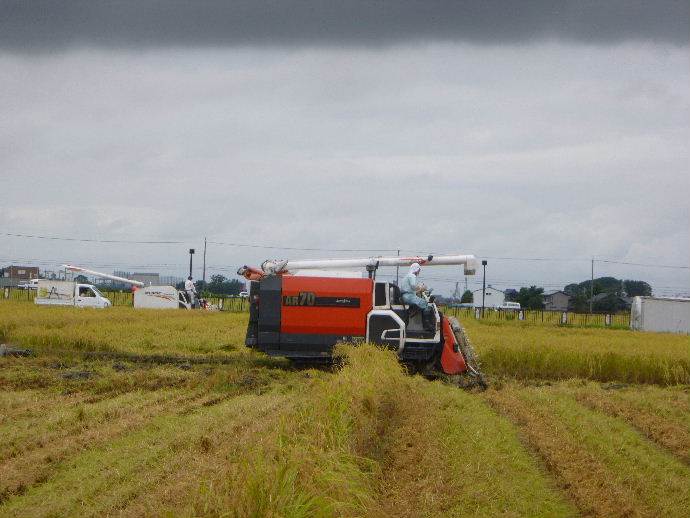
68, 417
44, 454
102, 379
368, 441
107, 478
494, 474
43, 429
17, 405
606, 467
662, 415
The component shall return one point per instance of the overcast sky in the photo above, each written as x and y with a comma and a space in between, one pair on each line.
504, 129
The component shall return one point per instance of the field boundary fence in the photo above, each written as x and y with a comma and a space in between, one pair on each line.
542, 316
126, 298
536, 316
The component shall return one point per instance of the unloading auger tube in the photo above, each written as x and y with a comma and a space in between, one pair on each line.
301, 317
283, 266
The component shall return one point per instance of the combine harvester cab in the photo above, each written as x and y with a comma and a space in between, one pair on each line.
301, 316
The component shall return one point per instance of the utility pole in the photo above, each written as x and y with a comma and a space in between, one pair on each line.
483, 285
203, 276
397, 272
591, 289
191, 254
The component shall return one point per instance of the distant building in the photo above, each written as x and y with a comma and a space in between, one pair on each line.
11, 276
493, 297
556, 300
170, 280
149, 279
23, 273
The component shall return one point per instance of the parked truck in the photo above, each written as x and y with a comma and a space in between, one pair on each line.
161, 297
145, 297
69, 293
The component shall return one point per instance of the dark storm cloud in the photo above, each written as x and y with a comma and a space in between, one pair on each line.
47, 25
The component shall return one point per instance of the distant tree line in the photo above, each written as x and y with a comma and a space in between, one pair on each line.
218, 285
609, 295
529, 298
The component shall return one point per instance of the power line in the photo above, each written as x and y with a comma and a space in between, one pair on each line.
85, 240
570, 259
642, 264
270, 247
158, 242
313, 249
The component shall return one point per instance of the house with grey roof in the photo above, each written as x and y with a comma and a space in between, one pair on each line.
556, 300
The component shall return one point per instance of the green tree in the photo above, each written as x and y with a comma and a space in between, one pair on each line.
220, 285
608, 303
467, 297
531, 298
511, 295
579, 302
606, 285
637, 288
572, 289
81, 279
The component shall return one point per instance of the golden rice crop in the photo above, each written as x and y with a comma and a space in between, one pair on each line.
526, 351
121, 329
129, 412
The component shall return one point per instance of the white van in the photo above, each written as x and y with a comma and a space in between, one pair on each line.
67, 293
29, 285
510, 306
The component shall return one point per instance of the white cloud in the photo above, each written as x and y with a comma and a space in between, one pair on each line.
534, 150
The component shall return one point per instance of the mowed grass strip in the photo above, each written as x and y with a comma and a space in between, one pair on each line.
67, 416
494, 473
82, 429
527, 351
18, 405
102, 481
605, 466
369, 441
662, 415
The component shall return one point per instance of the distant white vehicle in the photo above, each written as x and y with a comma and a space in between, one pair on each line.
512, 306
150, 297
68, 293
29, 285
243, 295
161, 297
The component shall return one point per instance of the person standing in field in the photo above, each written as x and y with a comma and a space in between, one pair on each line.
191, 291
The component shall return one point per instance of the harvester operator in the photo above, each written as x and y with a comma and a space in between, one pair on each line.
409, 289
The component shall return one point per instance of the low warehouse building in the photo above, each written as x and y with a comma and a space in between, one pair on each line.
671, 315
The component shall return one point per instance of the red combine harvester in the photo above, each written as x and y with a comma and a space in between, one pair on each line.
301, 309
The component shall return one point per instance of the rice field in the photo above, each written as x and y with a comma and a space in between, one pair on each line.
144, 413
